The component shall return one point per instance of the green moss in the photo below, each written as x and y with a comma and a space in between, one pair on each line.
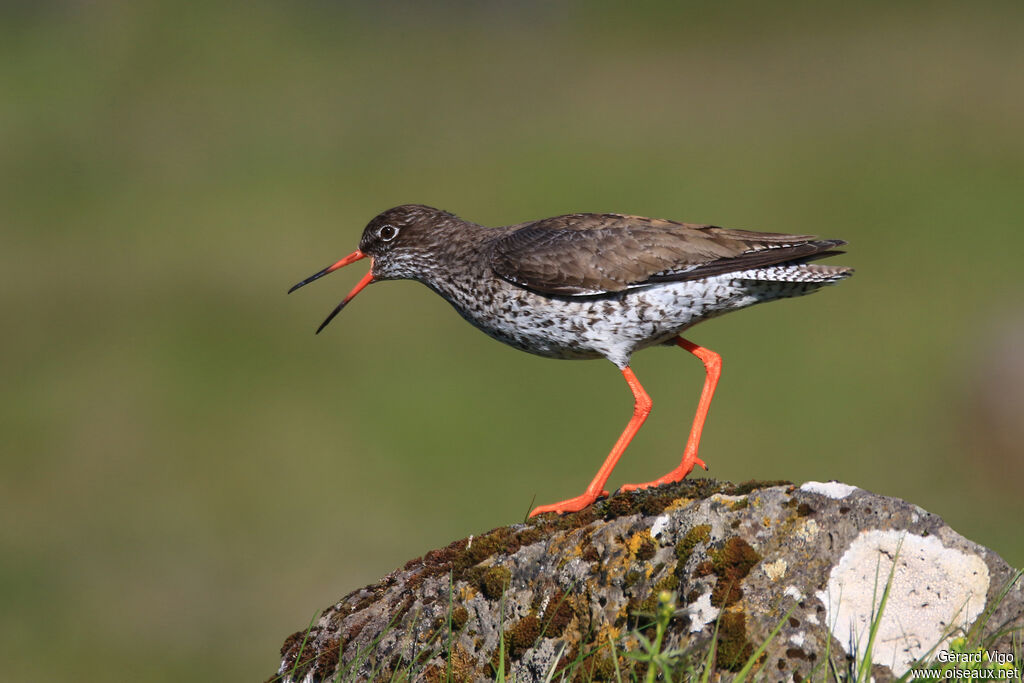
559, 614
596, 668
669, 583
650, 604
529, 536
735, 557
463, 555
731, 563
482, 548
462, 665
392, 664
618, 506
295, 645
733, 647
433, 674
352, 631
655, 504
571, 655
523, 635
415, 581
329, 655
684, 548
460, 615
753, 485
491, 580
496, 661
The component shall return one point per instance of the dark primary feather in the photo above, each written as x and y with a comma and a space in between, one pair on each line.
588, 254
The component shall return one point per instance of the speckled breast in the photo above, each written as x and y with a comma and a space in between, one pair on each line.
613, 326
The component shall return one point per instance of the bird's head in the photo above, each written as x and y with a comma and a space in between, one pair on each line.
399, 244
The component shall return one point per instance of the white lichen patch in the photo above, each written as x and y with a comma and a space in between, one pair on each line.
659, 526
701, 612
794, 592
934, 589
775, 570
798, 638
807, 531
831, 489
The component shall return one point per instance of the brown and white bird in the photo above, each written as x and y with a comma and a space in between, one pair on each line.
589, 285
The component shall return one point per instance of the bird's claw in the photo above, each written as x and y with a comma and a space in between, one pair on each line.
676, 475
571, 505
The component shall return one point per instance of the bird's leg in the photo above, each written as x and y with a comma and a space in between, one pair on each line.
641, 408
712, 371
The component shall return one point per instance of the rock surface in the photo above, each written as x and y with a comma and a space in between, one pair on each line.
741, 560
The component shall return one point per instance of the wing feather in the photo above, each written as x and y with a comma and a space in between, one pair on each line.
593, 254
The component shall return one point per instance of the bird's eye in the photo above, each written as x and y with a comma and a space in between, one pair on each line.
387, 232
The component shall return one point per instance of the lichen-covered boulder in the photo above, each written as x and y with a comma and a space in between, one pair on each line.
577, 595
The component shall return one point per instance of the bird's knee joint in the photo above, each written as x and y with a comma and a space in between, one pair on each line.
642, 406
712, 362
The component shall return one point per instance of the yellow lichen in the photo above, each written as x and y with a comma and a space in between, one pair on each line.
636, 541
678, 504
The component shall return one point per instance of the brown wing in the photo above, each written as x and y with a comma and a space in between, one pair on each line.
589, 254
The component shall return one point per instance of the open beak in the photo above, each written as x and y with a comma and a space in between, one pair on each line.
351, 258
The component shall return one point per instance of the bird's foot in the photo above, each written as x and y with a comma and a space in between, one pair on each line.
572, 505
676, 475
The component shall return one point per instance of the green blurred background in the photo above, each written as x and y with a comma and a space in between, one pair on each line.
188, 473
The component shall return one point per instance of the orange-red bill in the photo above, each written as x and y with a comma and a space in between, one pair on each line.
351, 258
367, 279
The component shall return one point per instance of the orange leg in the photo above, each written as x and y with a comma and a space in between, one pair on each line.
713, 370
641, 408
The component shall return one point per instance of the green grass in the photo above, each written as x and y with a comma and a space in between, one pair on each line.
187, 469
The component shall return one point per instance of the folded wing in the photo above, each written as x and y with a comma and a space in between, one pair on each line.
593, 254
